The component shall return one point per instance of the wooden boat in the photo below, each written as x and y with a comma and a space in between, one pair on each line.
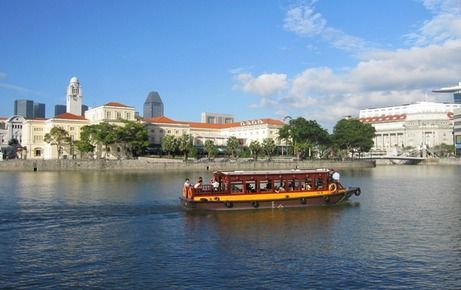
237, 190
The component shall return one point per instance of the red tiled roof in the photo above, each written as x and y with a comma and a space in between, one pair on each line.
69, 116
384, 119
115, 104
166, 120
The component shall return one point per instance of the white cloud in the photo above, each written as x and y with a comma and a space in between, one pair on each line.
264, 85
304, 21
2, 75
445, 25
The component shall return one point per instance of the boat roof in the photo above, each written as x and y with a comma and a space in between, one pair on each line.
267, 172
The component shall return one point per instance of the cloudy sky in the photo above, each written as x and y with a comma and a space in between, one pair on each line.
320, 59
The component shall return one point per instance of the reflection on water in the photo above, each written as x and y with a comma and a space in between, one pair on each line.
126, 230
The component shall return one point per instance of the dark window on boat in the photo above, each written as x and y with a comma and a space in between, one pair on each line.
319, 184
236, 187
250, 186
266, 186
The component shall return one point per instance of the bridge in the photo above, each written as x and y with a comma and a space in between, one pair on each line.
409, 160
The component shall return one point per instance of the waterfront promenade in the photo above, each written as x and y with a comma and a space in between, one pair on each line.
161, 164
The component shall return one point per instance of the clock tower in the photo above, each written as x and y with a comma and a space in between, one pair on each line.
74, 97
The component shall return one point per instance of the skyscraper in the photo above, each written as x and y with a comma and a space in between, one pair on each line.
153, 106
59, 109
24, 108
74, 97
39, 110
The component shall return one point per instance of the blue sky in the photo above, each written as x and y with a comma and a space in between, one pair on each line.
320, 59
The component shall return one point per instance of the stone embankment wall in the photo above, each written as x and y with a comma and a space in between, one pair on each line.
151, 164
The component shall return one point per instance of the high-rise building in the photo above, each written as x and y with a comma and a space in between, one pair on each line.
153, 106
84, 109
214, 118
59, 109
39, 110
74, 97
24, 108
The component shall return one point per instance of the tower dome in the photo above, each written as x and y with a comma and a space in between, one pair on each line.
74, 80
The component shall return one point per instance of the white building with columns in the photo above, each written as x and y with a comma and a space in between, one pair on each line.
245, 131
418, 125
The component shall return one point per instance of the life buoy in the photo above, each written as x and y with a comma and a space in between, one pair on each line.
255, 204
332, 187
228, 204
303, 200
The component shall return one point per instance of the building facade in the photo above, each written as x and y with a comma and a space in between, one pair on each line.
153, 106
215, 118
457, 131
419, 125
33, 130
245, 131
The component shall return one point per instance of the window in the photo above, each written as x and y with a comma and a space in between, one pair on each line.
119, 116
38, 152
108, 115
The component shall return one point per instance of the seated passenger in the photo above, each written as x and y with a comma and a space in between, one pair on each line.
199, 182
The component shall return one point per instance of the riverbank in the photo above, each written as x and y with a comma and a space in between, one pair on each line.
156, 164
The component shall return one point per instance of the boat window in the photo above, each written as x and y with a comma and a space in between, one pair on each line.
266, 185
319, 183
250, 186
236, 187
308, 184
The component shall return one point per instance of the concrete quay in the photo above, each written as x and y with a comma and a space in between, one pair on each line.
154, 164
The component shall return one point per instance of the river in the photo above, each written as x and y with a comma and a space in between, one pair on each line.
126, 230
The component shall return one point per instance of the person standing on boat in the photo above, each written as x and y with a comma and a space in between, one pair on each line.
199, 182
187, 183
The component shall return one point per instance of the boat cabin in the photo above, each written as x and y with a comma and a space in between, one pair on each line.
250, 182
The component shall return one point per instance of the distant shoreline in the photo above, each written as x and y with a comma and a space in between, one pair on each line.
155, 164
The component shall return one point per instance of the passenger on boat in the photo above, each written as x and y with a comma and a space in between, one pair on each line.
199, 182
279, 189
187, 183
215, 184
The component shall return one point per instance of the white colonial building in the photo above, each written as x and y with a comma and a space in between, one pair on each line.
34, 130
423, 124
457, 131
245, 131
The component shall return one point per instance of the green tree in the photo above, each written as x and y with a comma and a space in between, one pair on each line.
169, 144
255, 149
210, 149
58, 137
105, 135
268, 147
303, 135
232, 146
185, 145
132, 137
353, 135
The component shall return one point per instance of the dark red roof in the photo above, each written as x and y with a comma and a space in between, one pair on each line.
115, 104
69, 116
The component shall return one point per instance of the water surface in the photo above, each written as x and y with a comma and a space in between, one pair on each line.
126, 230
